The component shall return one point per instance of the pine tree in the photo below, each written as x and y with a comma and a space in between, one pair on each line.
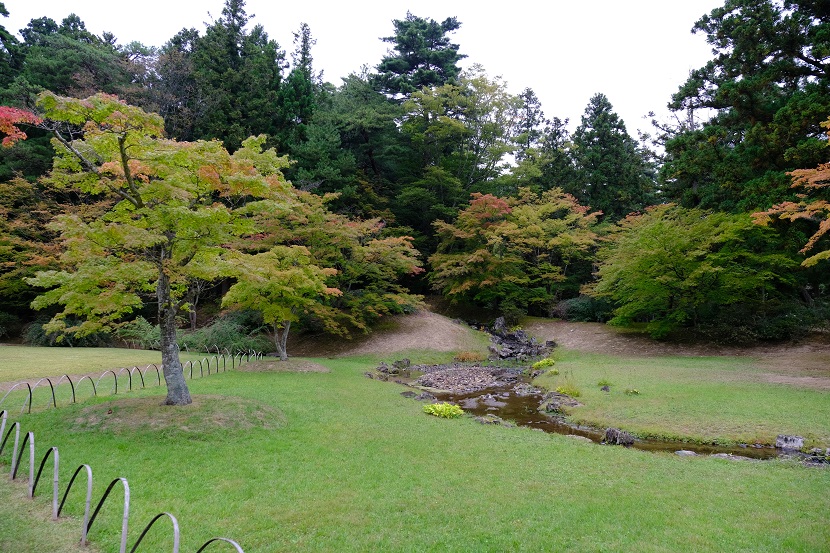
422, 56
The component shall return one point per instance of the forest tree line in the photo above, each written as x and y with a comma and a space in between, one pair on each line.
415, 176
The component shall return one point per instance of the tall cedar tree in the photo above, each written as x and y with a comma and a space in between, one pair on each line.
238, 75
612, 174
10, 54
297, 93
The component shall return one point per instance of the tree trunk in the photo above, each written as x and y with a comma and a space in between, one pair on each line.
177, 391
281, 339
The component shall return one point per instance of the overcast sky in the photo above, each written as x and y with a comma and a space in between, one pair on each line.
636, 52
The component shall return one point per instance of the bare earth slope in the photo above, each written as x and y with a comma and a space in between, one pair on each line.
806, 363
421, 330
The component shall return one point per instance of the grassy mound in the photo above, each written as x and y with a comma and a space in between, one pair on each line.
208, 414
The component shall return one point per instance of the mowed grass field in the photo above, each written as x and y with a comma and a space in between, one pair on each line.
698, 399
22, 362
332, 461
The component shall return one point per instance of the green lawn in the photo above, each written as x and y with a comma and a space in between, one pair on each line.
704, 399
23, 362
337, 462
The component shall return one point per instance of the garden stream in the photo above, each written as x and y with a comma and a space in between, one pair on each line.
509, 398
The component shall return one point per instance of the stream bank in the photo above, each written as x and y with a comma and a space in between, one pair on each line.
499, 394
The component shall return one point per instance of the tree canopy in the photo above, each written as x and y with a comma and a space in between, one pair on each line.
768, 88
408, 159
421, 56
175, 207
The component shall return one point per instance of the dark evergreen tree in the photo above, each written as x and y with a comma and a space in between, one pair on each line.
556, 159
422, 55
65, 58
297, 94
238, 75
531, 124
10, 54
769, 89
175, 94
612, 175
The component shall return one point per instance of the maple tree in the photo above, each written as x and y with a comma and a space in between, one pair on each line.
516, 253
280, 284
177, 205
353, 268
10, 121
671, 268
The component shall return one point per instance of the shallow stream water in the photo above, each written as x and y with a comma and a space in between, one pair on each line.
523, 410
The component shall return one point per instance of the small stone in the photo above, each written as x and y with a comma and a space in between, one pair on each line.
605, 389
369, 375
426, 396
685, 453
730, 457
579, 438
409, 394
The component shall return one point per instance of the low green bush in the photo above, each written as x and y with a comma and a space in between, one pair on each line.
139, 332
235, 331
584, 309
542, 364
443, 410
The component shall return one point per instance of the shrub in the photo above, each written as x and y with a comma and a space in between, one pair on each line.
230, 332
584, 309
140, 333
542, 364
468, 357
9, 324
604, 382
675, 268
35, 335
632, 392
443, 410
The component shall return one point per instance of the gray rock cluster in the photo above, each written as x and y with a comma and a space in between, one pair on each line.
615, 436
784, 441
461, 379
553, 402
514, 344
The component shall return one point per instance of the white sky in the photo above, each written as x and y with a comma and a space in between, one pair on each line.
636, 52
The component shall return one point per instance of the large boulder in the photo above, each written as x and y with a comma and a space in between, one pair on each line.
615, 436
784, 441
